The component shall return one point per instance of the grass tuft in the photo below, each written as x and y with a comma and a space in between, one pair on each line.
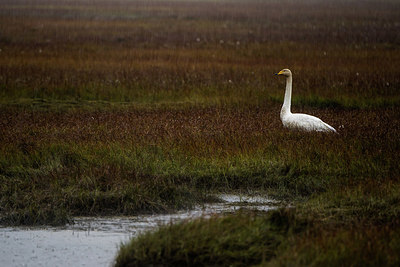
244, 238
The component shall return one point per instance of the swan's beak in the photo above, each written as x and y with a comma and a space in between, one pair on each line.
279, 73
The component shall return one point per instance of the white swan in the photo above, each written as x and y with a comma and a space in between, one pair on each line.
299, 121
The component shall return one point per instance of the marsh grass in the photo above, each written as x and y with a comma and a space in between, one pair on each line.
245, 238
282, 237
222, 56
155, 160
360, 230
152, 106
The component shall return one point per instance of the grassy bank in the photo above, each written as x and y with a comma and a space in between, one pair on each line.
244, 240
137, 107
283, 237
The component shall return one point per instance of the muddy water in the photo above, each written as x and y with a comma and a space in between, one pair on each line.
95, 241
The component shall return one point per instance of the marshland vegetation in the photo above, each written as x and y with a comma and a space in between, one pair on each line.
128, 107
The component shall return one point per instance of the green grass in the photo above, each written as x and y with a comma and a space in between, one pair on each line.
82, 181
282, 237
356, 227
138, 107
244, 239
129, 161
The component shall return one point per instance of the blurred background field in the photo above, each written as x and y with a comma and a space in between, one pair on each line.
126, 107
200, 52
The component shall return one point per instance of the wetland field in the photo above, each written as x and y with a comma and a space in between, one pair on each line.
124, 108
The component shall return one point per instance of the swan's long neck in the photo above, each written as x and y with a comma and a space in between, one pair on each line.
288, 97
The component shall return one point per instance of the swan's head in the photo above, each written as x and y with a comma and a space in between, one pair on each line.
284, 72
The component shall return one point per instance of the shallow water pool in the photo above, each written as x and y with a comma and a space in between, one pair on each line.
94, 241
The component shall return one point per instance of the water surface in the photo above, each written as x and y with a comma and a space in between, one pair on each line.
94, 241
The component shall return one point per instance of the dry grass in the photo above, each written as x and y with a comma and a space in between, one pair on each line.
209, 56
127, 107
101, 150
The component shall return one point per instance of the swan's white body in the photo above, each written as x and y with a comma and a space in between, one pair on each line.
299, 121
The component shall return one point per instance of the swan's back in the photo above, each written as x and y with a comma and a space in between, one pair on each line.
306, 122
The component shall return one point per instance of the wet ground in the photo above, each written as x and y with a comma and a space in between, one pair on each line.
94, 241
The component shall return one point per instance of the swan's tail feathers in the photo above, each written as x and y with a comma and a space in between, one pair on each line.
329, 128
